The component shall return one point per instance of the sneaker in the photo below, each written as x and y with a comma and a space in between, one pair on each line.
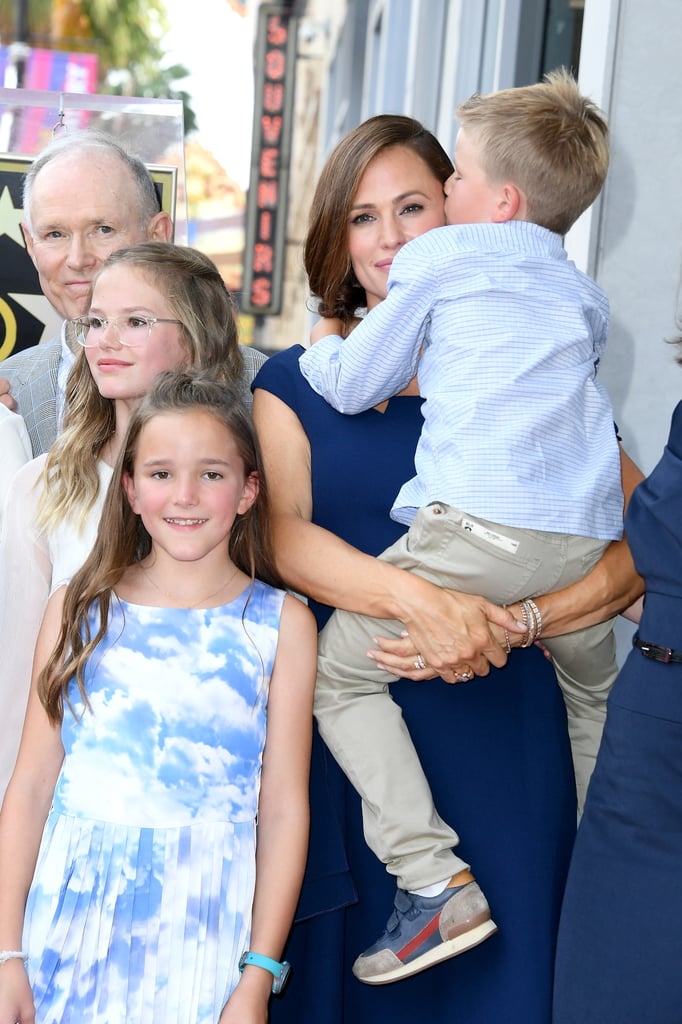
423, 931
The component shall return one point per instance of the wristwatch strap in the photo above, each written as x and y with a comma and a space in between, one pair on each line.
279, 971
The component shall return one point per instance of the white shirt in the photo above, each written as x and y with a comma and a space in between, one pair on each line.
517, 429
32, 565
15, 449
67, 360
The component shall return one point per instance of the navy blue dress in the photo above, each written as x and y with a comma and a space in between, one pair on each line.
619, 959
515, 815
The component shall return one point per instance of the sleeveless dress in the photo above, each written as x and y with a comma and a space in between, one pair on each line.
619, 959
515, 815
140, 905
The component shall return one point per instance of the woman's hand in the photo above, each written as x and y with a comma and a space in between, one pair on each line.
452, 634
401, 658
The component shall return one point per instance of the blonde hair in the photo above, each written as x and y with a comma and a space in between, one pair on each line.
122, 539
547, 139
198, 297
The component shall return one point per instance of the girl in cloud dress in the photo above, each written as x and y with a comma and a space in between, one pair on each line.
155, 827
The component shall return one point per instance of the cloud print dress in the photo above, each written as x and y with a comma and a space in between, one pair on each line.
140, 906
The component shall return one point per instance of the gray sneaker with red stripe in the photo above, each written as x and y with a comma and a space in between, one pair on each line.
423, 931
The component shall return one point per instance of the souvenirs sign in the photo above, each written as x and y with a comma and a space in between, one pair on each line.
266, 209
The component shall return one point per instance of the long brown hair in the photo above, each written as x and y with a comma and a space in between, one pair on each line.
325, 254
122, 539
198, 297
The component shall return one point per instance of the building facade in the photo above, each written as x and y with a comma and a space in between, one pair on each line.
356, 58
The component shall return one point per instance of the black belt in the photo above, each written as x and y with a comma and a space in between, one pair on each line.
656, 653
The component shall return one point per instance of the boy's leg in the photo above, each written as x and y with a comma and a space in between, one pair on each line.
506, 564
586, 668
357, 717
365, 731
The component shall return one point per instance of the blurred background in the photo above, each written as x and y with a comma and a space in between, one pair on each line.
245, 99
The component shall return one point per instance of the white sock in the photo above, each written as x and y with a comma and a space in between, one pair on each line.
432, 890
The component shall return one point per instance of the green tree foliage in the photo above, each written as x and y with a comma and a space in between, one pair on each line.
126, 35
129, 37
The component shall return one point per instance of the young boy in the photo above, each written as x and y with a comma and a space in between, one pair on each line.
517, 490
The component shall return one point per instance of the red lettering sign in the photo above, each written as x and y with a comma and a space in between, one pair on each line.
273, 98
260, 291
262, 258
275, 64
265, 226
272, 129
278, 31
266, 212
269, 163
267, 195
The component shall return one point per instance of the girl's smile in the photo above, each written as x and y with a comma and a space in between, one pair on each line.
188, 486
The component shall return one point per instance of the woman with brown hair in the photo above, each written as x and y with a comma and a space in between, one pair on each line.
332, 481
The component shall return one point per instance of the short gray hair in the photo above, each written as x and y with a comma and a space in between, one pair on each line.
94, 140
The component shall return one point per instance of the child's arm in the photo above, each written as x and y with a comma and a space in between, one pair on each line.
448, 628
379, 357
283, 813
24, 811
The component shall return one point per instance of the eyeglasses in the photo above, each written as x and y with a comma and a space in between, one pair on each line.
130, 330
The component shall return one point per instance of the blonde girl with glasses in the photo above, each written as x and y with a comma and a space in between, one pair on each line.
55, 501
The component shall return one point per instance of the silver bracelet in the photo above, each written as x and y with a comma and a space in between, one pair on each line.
507, 641
12, 954
538, 617
529, 623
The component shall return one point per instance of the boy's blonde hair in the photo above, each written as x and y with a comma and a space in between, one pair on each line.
547, 139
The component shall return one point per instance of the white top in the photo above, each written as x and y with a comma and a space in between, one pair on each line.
517, 429
15, 449
67, 360
32, 566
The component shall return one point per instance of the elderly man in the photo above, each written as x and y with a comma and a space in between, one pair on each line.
84, 197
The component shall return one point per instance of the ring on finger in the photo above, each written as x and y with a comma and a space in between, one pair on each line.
419, 663
465, 677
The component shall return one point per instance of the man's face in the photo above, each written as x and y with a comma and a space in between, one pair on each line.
83, 207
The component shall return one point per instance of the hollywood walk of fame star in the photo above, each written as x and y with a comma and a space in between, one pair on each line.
11, 218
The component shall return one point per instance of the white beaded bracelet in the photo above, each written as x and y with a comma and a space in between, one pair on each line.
12, 954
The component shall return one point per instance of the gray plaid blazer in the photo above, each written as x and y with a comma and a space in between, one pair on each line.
33, 382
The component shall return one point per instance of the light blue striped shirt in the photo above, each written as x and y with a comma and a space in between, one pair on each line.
516, 427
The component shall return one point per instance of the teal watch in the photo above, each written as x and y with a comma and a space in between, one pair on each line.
279, 971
